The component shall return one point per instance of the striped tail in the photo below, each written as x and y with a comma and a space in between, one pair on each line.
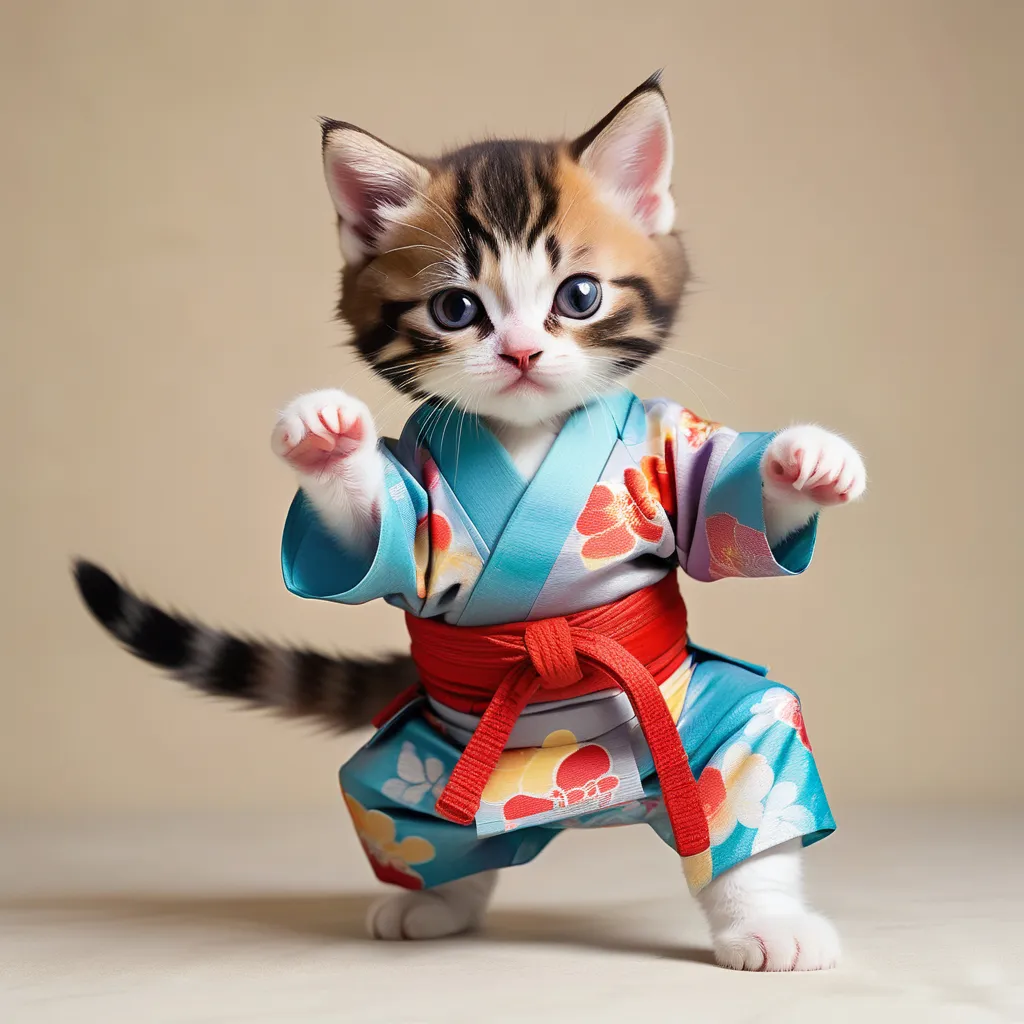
342, 693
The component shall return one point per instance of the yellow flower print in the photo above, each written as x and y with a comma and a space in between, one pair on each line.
734, 790
391, 860
529, 770
441, 562
698, 870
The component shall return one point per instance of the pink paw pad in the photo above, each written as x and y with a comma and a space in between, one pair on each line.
317, 439
786, 474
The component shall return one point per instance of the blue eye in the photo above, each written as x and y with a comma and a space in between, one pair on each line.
453, 309
578, 297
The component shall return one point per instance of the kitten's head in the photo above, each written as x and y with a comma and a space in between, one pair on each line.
513, 278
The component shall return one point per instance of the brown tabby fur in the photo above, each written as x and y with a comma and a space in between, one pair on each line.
509, 194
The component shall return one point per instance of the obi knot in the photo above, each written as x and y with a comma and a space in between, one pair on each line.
550, 646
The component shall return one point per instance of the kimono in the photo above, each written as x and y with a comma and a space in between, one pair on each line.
629, 492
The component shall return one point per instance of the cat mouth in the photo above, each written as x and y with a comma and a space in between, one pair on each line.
523, 385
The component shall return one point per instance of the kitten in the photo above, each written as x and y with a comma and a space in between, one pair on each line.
513, 280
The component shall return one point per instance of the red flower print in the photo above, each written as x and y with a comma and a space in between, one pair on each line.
584, 775
598, 514
394, 874
695, 431
797, 721
616, 516
789, 711
711, 788
645, 501
737, 550
437, 529
523, 805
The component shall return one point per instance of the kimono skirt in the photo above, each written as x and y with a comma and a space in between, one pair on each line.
744, 738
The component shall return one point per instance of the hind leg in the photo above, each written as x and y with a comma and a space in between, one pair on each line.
446, 871
760, 921
448, 909
763, 799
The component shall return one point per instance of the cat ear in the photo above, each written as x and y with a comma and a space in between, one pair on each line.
629, 151
370, 183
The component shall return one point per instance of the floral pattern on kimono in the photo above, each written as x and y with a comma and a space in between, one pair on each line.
629, 492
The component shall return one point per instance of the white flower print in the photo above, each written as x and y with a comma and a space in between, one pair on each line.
734, 790
777, 705
772, 707
416, 777
784, 818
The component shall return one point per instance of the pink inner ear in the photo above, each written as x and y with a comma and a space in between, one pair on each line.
364, 195
352, 193
648, 160
647, 206
350, 190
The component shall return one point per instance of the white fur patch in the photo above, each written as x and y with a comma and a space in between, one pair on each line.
474, 374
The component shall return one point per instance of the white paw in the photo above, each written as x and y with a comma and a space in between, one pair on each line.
319, 431
420, 915
785, 942
809, 462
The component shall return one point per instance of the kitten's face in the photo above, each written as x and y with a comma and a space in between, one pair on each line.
515, 279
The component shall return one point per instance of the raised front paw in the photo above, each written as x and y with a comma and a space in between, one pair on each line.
809, 462
783, 942
318, 432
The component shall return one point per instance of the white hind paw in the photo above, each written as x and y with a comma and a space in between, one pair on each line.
432, 913
789, 942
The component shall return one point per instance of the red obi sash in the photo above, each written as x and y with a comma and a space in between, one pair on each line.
632, 644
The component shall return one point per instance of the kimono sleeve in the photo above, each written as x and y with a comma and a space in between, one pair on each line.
317, 564
714, 478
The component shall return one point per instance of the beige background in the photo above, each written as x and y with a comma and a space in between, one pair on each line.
849, 179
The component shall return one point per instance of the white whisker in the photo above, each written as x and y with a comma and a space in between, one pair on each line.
565, 212
439, 263
458, 447
696, 373
415, 227
414, 245
671, 350
444, 214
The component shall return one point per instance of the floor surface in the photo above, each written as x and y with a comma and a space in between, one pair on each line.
259, 918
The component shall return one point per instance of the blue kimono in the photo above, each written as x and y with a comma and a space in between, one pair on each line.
629, 492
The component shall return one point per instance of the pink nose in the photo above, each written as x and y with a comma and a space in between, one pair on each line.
524, 358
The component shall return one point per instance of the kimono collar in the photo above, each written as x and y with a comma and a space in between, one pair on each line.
523, 524
479, 470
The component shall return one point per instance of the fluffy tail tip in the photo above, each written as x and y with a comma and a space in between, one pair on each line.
100, 591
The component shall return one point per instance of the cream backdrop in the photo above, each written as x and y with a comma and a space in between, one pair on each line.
849, 183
